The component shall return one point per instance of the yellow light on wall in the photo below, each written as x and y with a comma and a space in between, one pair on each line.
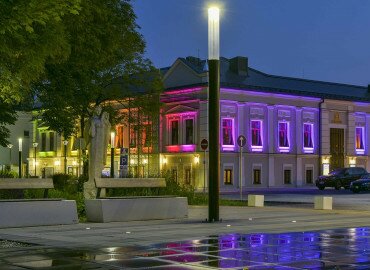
196, 159
164, 160
145, 161
325, 159
352, 162
57, 162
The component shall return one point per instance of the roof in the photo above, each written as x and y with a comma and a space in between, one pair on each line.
260, 81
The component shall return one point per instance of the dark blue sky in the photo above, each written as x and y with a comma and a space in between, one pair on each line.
325, 40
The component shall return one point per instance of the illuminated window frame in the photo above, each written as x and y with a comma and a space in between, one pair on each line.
284, 149
360, 150
228, 147
171, 142
257, 148
308, 149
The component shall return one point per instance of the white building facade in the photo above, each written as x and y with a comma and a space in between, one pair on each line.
296, 129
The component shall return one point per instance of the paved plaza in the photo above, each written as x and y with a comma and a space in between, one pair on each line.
272, 237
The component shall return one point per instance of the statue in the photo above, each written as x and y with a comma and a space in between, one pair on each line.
97, 136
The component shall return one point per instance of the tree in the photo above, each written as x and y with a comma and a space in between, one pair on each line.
104, 45
31, 33
7, 117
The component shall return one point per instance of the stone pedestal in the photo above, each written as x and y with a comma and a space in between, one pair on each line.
323, 203
136, 208
22, 213
256, 200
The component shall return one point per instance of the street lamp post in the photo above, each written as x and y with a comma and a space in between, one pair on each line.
35, 144
10, 155
20, 157
112, 138
214, 113
65, 142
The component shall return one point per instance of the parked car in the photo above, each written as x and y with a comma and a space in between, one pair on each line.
362, 184
339, 178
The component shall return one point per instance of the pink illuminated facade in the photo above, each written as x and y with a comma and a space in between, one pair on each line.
296, 129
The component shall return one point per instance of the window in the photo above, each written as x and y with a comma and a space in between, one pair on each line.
174, 173
228, 176
308, 138
133, 136
256, 130
284, 136
174, 132
189, 130
26, 133
147, 135
287, 176
51, 141
119, 137
227, 131
43, 142
360, 148
309, 176
187, 175
256, 176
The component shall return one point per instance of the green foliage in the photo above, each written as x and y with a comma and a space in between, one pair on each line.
31, 33
7, 117
7, 173
173, 188
105, 45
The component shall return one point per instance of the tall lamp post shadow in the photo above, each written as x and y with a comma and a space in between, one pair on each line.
35, 144
65, 142
214, 113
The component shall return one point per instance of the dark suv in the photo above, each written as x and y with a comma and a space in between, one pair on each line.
340, 178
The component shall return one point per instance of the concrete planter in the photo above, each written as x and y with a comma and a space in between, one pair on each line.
22, 213
136, 208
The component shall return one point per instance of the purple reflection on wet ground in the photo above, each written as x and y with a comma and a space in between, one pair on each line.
329, 249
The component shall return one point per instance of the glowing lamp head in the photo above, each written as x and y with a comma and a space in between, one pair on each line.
214, 13
20, 144
213, 33
112, 138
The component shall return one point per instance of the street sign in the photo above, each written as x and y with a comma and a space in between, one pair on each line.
204, 144
241, 141
123, 159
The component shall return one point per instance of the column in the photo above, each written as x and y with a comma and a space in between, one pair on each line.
325, 131
299, 146
270, 136
351, 129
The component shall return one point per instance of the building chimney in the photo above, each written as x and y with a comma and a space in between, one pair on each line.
239, 65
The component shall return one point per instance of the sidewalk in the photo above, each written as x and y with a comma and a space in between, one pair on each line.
247, 238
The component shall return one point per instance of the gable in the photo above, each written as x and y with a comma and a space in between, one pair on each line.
180, 109
180, 74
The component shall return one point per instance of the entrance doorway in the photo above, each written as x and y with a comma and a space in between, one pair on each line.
336, 148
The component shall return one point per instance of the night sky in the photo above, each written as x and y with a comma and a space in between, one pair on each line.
326, 40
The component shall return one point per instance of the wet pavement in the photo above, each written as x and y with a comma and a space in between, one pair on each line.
247, 238
326, 249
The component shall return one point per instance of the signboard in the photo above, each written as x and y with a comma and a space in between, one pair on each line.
241, 140
123, 162
123, 158
204, 144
